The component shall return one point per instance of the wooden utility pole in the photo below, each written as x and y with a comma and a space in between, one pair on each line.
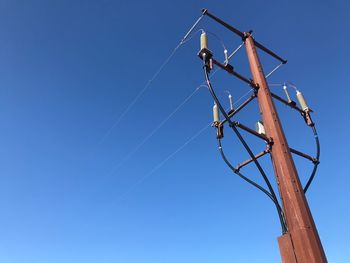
301, 243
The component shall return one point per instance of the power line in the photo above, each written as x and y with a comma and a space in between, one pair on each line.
150, 135
138, 96
160, 164
143, 90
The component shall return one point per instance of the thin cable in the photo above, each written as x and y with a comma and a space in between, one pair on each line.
138, 96
236, 50
130, 154
218, 38
275, 85
192, 35
241, 140
318, 152
277, 67
160, 125
191, 29
290, 84
159, 165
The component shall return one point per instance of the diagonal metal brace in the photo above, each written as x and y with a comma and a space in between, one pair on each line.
239, 166
234, 112
229, 69
304, 155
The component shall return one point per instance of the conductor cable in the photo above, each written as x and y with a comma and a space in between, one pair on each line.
316, 163
236, 171
241, 139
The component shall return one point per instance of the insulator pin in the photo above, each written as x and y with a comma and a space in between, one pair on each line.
226, 56
287, 93
231, 101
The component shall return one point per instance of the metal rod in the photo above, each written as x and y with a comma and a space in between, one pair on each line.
236, 50
272, 71
230, 70
191, 29
251, 131
312, 159
243, 35
286, 102
230, 115
229, 27
268, 51
251, 160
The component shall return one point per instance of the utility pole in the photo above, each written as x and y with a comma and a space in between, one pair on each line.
300, 242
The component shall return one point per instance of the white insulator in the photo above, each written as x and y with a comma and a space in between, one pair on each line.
302, 101
287, 93
226, 56
231, 102
204, 41
260, 128
216, 113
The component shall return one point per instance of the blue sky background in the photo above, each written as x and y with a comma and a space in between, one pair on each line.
68, 69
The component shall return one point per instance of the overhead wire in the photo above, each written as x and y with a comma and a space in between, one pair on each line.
236, 50
160, 164
150, 135
159, 126
143, 90
272, 71
317, 161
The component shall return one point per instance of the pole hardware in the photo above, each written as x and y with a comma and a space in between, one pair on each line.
257, 156
300, 242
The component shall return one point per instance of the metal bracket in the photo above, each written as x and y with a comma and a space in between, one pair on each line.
229, 68
219, 129
267, 150
306, 156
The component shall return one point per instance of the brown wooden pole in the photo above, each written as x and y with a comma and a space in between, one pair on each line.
301, 243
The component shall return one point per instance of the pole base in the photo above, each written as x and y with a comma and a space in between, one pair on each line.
286, 249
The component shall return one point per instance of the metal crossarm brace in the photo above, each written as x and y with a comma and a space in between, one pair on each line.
230, 70
267, 150
231, 114
306, 156
243, 35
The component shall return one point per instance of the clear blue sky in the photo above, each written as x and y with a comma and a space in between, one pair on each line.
68, 69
